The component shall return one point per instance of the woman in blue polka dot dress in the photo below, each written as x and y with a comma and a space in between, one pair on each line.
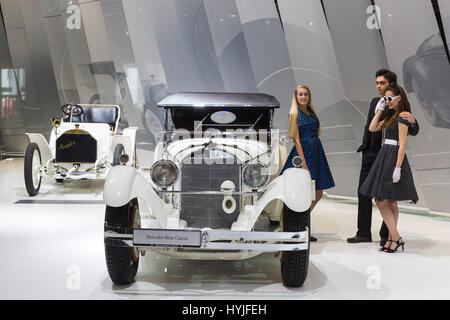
304, 129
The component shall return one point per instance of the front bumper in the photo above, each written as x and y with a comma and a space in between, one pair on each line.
80, 171
208, 239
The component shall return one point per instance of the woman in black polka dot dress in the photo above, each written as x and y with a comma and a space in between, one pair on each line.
304, 129
390, 178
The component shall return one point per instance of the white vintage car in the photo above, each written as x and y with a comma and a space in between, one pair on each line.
215, 174
84, 144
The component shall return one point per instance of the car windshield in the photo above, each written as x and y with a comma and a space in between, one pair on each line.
194, 118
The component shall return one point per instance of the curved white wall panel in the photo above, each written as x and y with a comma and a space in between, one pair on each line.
415, 52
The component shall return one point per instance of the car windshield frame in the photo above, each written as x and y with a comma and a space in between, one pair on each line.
192, 111
219, 99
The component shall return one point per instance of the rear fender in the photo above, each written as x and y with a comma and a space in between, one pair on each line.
128, 140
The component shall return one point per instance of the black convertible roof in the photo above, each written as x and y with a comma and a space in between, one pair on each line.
219, 100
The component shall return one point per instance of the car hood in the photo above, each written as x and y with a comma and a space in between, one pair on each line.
237, 147
245, 151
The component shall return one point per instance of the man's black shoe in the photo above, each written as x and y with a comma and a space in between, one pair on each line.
383, 242
312, 239
357, 239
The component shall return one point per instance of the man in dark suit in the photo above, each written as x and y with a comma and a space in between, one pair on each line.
371, 144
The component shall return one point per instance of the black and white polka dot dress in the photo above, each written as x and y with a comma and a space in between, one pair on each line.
379, 184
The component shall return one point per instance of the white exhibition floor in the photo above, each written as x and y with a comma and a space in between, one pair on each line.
53, 249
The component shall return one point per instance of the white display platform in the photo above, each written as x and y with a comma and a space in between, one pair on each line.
54, 250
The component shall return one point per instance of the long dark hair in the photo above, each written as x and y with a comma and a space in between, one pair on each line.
391, 114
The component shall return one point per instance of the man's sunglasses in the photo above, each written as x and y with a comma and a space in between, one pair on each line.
390, 99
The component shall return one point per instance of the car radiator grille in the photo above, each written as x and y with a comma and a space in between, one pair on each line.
205, 210
76, 148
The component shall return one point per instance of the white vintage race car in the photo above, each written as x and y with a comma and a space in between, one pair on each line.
215, 174
84, 144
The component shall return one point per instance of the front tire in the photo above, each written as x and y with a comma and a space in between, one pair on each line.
294, 264
121, 261
32, 165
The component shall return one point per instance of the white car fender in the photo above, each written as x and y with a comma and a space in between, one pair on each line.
125, 183
39, 139
125, 141
131, 133
293, 187
128, 139
297, 189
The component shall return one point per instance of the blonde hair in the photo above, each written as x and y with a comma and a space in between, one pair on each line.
294, 111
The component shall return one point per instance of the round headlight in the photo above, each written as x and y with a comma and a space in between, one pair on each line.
255, 175
164, 173
297, 162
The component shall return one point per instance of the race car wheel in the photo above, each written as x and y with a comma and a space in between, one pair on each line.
294, 264
121, 261
117, 153
32, 165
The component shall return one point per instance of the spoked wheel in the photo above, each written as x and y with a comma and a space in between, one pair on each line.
32, 167
294, 264
122, 261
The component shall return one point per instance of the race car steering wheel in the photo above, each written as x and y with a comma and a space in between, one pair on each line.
72, 109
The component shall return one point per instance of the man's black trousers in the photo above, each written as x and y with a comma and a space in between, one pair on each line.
365, 202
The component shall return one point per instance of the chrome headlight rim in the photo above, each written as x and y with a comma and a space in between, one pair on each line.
297, 162
262, 167
170, 163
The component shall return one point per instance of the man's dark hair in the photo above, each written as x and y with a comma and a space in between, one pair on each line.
390, 76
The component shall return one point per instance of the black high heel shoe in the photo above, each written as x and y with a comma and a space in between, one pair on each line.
386, 248
399, 244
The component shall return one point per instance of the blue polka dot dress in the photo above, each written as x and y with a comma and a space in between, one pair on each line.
308, 126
